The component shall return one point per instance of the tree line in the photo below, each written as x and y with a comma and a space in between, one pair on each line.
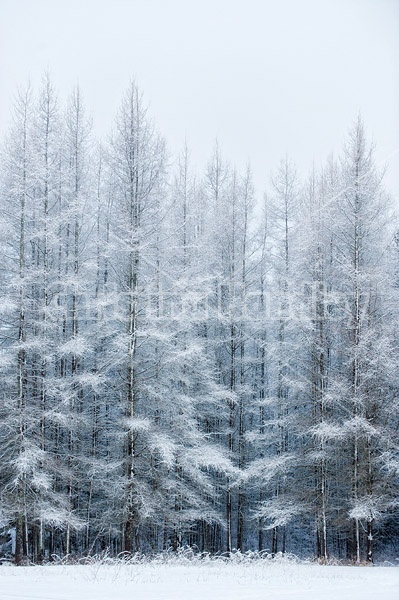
182, 365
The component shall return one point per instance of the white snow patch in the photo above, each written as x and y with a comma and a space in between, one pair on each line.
258, 580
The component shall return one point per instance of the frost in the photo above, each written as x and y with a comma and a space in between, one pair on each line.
327, 431
365, 509
268, 468
42, 481
278, 511
28, 459
359, 425
93, 380
77, 346
138, 425
166, 448
212, 457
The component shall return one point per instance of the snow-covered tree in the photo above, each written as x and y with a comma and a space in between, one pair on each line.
179, 367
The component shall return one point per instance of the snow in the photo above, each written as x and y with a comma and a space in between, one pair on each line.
256, 580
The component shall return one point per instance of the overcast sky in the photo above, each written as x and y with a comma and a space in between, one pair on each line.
267, 78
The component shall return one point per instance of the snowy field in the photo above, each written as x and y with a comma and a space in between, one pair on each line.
256, 580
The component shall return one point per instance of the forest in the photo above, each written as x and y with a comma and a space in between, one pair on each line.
186, 363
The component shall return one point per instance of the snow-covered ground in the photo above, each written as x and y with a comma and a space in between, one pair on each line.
257, 580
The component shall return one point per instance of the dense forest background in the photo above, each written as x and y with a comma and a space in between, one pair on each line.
182, 365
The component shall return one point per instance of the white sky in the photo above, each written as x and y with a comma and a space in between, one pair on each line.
266, 77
